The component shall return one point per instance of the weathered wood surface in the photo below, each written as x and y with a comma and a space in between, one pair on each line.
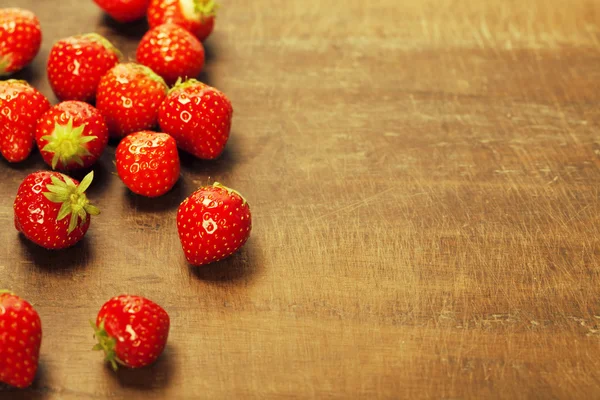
423, 177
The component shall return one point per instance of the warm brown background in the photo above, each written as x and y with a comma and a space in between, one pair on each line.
423, 177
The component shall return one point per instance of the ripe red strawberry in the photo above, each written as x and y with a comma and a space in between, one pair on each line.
71, 135
77, 63
124, 10
213, 223
20, 39
148, 163
198, 117
129, 96
52, 209
20, 107
171, 52
197, 16
20, 340
131, 330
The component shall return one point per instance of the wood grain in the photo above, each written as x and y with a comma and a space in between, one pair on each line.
423, 177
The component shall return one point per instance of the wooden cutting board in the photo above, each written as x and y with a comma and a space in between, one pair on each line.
423, 177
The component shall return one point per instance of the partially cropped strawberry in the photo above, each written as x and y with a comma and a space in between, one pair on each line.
129, 96
171, 52
197, 16
77, 63
131, 331
71, 135
20, 340
198, 116
124, 10
20, 39
148, 163
213, 223
52, 210
21, 105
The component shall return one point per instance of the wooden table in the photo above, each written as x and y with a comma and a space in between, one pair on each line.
423, 177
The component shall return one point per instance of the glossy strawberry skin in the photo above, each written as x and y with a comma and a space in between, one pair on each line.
213, 223
20, 39
148, 163
129, 96
36, 216
124, 10
171, 52
21, 106
171, 11
20, 340
199, 117
77, 63
140, 327
82, 114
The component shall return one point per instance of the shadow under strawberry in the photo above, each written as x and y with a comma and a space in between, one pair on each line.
213, 170
58, 261
241, 266
168, 201
152, 377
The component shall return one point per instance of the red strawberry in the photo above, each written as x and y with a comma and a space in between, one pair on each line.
213, 223
20, 107
77, 63
129, 96
20, 340
197, 16
71, 135
172, 52
20, 39
52, 209
198, 117
131, 330
124, 10
148, 163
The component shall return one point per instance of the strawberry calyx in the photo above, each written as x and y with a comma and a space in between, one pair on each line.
5, 63
182, 85
151, 75
5, 291
73, 199
67, 144
94, 37
230, 191
107, 344
206, 8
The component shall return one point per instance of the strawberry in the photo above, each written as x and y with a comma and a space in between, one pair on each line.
124, 10
77, 63
20, 39
197, 16
20, 107
131, 330
71, 135
20, 340
198, 117
148, 163
52, 209
129, 96
213, 223
171, 52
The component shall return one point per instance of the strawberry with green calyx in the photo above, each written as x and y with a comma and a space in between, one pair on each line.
52, 210
129, 96
20, 340
198, 117
71, 135
20, 39
213, 223
77, 63
196, 16
132, 331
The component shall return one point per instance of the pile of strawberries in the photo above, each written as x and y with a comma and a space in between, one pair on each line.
133, 101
